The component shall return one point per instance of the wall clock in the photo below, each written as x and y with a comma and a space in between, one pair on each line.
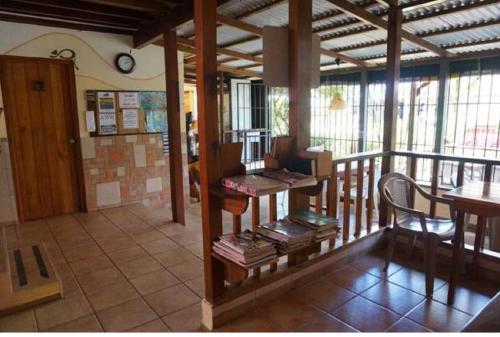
125, 63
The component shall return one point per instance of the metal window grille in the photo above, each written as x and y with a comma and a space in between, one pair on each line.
335, 116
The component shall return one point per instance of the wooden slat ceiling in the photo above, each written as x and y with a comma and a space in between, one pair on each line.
351, 31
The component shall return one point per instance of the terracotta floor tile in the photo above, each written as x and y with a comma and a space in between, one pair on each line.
393, 297
196, 248
466, 300
69, 284
187, 238
23, 321
147, 236
126, 316
152, 282
327, 323
172, 229
111, 295
251, 322
439, 317
187, 270
61, 311
154, 326
413, 280
138, 267
366, 316
110, 245
324, 294
406, 325
81, 253
99, 278
128, 254
290, 312
174, 256
171, 299
185, 320
83, 324
353, 279
159, 246
374, 265
91, 264
197, 285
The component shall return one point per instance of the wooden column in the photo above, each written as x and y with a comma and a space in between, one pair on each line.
174, 126
208, 129
300, 58
391, 95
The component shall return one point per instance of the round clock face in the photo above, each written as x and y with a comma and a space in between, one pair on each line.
125, 63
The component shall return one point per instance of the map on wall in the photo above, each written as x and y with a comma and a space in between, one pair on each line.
154, 105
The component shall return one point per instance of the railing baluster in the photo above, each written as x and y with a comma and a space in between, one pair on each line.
347, 200
359, 196
319, 202
236, 223
332, 193
413, 174
434, 186
488, 170
273, 216
255, 224
369, 202
460, 173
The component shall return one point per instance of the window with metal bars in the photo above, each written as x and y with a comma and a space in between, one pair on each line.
472, 123
335, 116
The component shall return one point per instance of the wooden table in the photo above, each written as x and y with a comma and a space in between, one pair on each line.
480, 198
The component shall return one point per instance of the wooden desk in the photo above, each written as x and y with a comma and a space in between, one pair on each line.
480, 198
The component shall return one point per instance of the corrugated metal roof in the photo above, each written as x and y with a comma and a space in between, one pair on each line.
437, 19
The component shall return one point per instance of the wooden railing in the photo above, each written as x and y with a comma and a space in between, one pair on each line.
437, 159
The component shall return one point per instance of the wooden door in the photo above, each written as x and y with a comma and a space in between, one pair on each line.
42, 128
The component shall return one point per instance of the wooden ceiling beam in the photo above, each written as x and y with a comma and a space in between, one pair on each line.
224, 51
344, 58
91, 8
380, 23
33, 20
438, 31
136, 5
67, 14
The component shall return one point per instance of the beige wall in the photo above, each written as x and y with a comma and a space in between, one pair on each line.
95, 53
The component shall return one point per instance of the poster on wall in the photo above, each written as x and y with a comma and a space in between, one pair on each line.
107, 123
130, 119
90, 120
106, 102
129, 100
155, 121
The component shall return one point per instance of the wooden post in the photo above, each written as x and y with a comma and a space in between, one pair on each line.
391, 96
221, 106
174, 126
208, 127
300, 60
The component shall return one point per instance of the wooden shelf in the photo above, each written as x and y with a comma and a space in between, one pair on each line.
233, 201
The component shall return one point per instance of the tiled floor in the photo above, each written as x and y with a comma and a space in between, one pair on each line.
130, 269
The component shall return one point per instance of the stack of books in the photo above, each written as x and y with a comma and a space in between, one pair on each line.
287, 236
325, 226
293, 179
245, 249
254, 185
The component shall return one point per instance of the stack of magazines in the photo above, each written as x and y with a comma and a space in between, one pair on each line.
293, 179
287, 236
325, 226
245, 249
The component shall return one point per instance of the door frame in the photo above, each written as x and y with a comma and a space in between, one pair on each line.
78, 160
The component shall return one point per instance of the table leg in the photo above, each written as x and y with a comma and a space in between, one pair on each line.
273, 216
478, 241
455, 263
255, 224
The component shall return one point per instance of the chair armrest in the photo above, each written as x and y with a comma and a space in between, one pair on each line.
435, 198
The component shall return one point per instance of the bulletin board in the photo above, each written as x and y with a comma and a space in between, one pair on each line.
125, 112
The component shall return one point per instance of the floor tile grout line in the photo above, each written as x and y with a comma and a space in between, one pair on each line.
140, 295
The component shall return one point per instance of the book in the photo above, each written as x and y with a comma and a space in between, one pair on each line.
254, 185
294, 179
286, 235
313, 220
245, 249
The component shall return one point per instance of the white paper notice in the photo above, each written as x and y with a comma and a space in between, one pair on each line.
107, 123
90, 118
129, 100
106, 101
130, 119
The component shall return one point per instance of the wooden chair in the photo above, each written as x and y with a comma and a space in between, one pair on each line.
396, 189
